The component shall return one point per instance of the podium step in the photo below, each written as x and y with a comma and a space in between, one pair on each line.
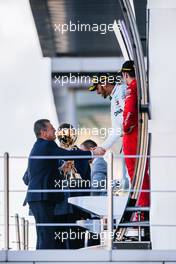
132, 245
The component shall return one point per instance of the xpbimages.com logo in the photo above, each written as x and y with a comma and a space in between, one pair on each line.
82, 27
72, 78
80, 235
102, 132
84, 184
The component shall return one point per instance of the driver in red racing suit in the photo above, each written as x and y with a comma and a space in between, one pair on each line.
130, 128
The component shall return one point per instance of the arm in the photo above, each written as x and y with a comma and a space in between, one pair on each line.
115, 132
26, 177
130, 111
55, 150
110, 141
117, 107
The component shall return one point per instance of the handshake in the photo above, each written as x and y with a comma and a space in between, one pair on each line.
98, 151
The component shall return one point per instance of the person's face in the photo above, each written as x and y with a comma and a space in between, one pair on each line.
49, 132
102, 89
125, 77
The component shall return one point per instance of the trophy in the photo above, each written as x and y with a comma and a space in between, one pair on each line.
67, 137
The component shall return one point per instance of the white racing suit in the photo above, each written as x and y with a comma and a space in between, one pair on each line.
117, 99
117, 106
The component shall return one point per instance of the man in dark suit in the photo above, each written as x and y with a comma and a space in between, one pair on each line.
43, 174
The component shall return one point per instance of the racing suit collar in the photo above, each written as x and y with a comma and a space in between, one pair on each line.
132, 83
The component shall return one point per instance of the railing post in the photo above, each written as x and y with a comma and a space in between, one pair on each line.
17, 225
6, 201
23, 239
26, 234
110, 200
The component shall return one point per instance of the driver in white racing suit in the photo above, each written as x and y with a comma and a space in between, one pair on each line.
106, 85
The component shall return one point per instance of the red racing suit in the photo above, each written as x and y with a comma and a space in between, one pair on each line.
130, 138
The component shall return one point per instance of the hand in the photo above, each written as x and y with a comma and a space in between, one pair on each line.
67, 166
98, 151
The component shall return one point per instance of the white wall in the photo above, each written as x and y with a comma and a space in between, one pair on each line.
162, 73
25, 93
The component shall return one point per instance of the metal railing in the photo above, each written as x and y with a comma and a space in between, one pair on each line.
22, 234
17, 227
6, 201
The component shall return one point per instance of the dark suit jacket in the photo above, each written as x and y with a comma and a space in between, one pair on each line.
42, 173
83, 168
